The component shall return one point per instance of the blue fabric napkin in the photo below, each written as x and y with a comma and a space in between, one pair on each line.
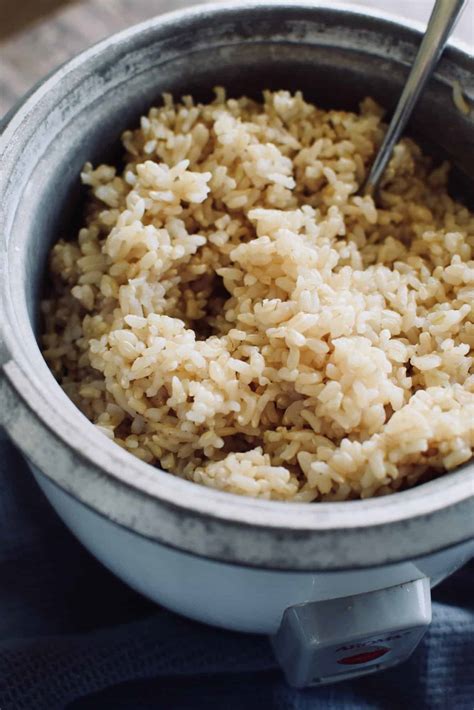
72, 636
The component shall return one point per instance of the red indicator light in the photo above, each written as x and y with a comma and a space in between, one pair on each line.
364, 656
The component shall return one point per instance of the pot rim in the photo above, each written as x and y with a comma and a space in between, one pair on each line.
100, 474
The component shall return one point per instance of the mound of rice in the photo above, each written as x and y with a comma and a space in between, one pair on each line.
233, 312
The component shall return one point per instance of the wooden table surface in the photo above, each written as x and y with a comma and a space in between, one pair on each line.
32, 51
28, 55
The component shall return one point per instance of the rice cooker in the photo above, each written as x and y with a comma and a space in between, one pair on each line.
343, 588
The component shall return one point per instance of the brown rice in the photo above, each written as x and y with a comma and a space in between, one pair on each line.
234, 312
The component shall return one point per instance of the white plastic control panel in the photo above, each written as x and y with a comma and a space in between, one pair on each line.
327, 641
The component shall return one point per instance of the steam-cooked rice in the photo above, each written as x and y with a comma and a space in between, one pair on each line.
234, 312
459, 99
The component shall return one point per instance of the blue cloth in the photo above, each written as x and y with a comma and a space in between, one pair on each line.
72, 636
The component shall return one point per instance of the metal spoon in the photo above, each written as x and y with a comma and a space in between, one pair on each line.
443, 18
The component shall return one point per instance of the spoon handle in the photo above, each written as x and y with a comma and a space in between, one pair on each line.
443, 18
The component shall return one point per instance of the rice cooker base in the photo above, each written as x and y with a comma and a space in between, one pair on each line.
255, 600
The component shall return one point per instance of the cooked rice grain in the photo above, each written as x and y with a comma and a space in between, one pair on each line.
234, 312
459, 99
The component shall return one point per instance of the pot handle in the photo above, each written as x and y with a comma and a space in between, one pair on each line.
337, 639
